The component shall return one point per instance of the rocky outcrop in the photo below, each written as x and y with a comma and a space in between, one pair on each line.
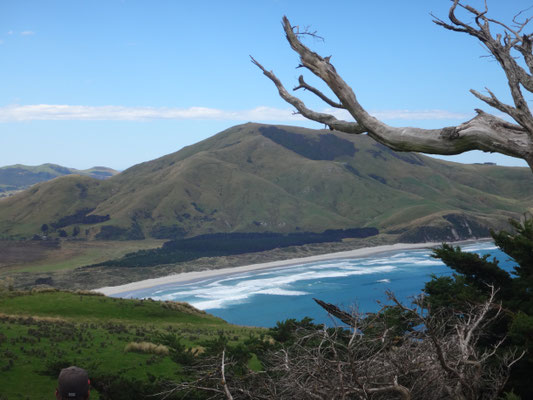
451, 228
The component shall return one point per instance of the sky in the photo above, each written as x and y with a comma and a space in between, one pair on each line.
119, 82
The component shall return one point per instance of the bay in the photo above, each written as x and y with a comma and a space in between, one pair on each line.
261, 298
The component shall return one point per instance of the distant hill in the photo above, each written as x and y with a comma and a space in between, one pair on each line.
19, 177
263, 178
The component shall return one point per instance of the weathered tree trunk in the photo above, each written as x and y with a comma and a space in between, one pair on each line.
484, 132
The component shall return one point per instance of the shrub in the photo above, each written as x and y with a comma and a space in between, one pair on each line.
182, 307
87, 292
147, 347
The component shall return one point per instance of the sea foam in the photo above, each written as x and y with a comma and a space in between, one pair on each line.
240, 288
265, 296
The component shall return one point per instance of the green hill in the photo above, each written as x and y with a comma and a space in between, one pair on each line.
17, 177
263, 178
119, 341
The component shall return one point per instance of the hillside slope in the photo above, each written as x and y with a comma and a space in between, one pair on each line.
18, 177
260, 178
125, 344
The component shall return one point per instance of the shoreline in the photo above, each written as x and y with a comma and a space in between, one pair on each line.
187, 277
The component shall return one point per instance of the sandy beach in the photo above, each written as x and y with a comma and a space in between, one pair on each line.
205, 274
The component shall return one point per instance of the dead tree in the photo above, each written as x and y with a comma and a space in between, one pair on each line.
438, 357
398, 353
484, 132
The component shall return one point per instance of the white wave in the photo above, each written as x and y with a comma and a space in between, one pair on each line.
427, 262
325, 266
393, 260
229, 290
224, 292
216, 303
282, 292
473, 249
412, 253
207, 305
402, 254
173, 296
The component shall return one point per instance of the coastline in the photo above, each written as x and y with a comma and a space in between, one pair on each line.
186, 277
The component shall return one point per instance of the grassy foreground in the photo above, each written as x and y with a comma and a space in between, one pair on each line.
44, 331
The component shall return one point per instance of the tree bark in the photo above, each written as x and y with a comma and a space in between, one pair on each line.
485, 132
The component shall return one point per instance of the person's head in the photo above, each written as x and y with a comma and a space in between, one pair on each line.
73, 384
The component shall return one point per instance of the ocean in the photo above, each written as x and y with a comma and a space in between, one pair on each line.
261, 298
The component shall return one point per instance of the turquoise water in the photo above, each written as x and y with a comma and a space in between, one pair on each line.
262, 298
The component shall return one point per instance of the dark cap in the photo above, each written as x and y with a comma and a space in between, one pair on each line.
73, 383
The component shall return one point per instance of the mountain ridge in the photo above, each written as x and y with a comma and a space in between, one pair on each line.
265, 178
14, 178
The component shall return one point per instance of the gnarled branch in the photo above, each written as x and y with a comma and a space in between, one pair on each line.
484, 132
304, 85
330, 120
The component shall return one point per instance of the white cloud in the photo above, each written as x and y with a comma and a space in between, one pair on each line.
58, 112
10, 32
1, 41
27, 33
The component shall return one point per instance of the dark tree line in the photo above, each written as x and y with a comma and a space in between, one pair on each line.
80, 217
224, 244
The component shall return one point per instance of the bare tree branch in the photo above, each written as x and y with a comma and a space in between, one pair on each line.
306, 31
428, 355
515, 74
332, 309
442, 351
484, 132
224, 383
317, 92
329, 120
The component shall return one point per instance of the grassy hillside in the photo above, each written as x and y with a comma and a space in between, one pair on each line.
49, 201
42, 332
14, 178
262, 178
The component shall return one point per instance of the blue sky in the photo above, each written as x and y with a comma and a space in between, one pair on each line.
116, 83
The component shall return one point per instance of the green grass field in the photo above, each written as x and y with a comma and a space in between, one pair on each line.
42, 332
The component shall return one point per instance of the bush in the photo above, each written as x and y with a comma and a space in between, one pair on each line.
179, 352
183, 307
147, 347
